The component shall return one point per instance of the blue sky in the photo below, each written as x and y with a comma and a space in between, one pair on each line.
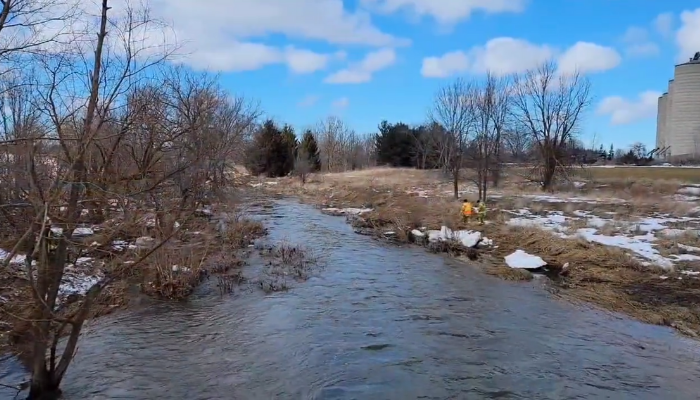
630, 48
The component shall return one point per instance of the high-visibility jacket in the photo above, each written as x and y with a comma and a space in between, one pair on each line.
467, 209
482, 208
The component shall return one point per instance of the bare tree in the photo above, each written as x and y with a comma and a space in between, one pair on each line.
550, 106
335, 140
30, 26
491, 100
105, 131
454, 110
302, 164
517, 143
639, 150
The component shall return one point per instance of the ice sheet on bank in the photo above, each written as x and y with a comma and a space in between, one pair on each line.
346, 211
466, 238
522, 260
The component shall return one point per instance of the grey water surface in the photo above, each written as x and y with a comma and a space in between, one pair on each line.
379, 322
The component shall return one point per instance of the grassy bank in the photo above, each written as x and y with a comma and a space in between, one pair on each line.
690, 175
630, 251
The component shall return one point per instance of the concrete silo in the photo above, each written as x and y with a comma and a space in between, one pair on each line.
668, 130
684, 107
661, 133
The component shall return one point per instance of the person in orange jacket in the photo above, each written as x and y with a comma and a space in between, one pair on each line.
467, 211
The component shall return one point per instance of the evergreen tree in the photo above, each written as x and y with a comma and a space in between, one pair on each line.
395, 145
290, 139
310, 147
611, 153
269, 152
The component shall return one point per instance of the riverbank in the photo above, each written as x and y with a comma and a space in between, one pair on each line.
629, 247
379, 322
214, 241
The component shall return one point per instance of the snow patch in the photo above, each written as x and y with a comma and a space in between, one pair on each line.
640, 245
522, 260
76, 283
466, 238
689, 190
17, 259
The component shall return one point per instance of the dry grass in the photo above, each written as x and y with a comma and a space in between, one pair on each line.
240, 231
690, 175
285, 262
173, 272
602, 275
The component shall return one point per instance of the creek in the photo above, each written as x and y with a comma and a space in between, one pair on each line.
378, 322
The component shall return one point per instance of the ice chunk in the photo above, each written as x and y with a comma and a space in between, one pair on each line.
522, 260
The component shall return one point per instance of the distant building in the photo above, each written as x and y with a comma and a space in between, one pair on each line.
678, 120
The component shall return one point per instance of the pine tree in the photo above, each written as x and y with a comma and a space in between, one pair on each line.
269, 153
310, 146
611, 153
291, 142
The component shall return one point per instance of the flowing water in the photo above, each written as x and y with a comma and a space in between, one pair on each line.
379, 322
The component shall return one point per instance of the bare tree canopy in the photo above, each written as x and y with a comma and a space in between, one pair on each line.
98, 127
549, 106
454, 109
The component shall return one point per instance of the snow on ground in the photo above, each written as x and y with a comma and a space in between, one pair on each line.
641, 245
256, 185
77, 283
522, 260
76, 278
554, 221
80, 231
573, 199
17, 259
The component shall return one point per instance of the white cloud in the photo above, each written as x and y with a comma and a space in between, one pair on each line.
505, 55
625, 111
309, 101
228, 35
508, 55
663, 24
341, 103
588, 57
445, 11
637, 43
363, 71
642, 49
448, 64
688, 35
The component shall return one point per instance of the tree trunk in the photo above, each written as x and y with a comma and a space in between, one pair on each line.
548, 173
455, 182
496, 176
43, 387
